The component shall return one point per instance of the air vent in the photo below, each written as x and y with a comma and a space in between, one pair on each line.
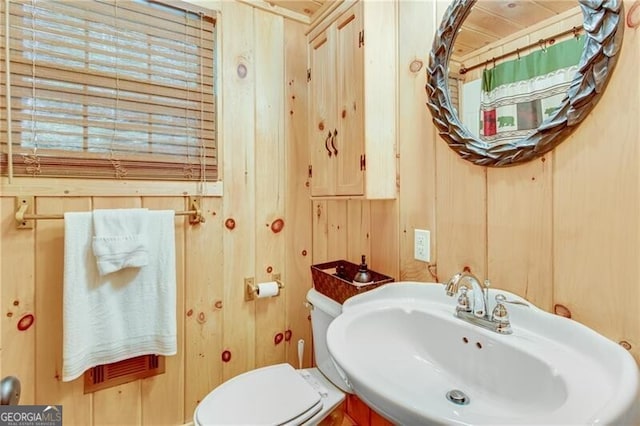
118, 373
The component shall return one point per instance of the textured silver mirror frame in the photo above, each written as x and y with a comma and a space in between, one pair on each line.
604, 28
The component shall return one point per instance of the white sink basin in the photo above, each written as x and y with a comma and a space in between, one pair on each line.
402, 349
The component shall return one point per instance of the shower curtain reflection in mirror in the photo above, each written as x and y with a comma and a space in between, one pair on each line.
514, 97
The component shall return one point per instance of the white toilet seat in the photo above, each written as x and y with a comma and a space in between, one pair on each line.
273, 395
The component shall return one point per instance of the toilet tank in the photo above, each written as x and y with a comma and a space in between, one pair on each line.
324, 311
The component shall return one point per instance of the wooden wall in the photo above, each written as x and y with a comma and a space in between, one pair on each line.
263, 161
563, 229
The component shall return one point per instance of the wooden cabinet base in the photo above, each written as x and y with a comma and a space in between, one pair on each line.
362, 415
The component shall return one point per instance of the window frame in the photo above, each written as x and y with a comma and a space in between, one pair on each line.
80, 186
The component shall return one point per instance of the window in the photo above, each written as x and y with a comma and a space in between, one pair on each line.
107, 89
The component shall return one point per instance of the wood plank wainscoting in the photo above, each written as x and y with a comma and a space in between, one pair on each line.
561, 230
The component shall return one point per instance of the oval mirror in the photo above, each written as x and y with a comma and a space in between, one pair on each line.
521, 138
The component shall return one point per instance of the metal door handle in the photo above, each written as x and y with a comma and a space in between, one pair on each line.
326, 143
333, 139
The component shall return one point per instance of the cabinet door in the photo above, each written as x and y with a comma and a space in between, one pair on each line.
323, 113
349, 134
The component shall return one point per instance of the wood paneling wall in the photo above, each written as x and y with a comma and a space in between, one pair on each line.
562, 229
264, 160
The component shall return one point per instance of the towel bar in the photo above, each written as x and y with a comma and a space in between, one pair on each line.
24, 207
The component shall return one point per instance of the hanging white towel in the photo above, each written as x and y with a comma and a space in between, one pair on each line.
121, 315
120, 239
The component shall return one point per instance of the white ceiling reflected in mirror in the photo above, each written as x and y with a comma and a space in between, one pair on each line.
509, 80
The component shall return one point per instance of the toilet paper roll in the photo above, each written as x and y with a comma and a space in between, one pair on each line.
268, 289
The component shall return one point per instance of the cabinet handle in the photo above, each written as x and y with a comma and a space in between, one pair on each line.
326, 143
333, 139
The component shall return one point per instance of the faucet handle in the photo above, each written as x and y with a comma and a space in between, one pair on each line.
517, 302
463, 301
500, 314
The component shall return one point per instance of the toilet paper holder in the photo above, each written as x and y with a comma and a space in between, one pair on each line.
251, 291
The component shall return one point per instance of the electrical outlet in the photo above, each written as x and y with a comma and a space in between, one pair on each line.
422, 245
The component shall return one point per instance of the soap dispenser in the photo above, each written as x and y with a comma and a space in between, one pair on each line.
341, 271
363, 276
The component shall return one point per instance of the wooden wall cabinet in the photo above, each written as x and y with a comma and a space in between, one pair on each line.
352, 103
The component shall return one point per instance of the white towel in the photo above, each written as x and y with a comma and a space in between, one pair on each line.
120, 239
122, 315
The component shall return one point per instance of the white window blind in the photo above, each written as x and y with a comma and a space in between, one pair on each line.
107, 89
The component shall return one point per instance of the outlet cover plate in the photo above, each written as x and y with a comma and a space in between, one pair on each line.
422, 245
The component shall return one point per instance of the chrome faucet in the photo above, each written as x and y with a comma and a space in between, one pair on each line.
478, 312
480, 293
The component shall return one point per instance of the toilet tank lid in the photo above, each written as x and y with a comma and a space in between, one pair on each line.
324, 303
270, 395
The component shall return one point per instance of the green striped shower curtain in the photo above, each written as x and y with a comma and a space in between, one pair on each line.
520, 94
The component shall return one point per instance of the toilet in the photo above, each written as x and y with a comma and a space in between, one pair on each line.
279, 394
